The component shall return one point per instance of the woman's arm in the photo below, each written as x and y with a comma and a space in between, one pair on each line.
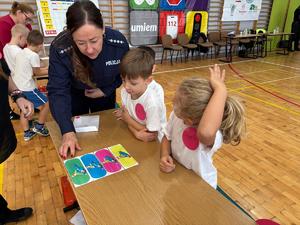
59, 93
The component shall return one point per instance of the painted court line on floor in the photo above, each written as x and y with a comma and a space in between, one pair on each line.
269, 103
199, 67
264, 82
277, 64
261, 88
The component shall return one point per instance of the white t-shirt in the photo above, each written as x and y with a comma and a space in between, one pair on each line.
10, 52
188, 150
25, 61
149, 109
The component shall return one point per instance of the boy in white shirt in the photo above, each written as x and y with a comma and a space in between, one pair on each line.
19, 35
143, 107
27, 66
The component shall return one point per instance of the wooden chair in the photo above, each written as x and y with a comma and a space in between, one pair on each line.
167, 44
215, 38
247, 45
184, 40
205, 44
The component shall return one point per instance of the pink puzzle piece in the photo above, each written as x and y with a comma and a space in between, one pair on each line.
108, 160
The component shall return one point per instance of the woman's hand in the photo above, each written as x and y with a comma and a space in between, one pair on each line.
166, 164
94, 93
69, 141
217, 77
25, 106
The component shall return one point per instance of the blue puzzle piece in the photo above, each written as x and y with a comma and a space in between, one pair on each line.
94, 167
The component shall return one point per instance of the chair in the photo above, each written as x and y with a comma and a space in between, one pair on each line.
234, 42
215, 38
184, 40
269, 39
261, 42
167, 44
246, 46
203, 43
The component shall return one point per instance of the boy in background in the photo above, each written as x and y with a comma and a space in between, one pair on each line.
143, 106
27, 66
18, 41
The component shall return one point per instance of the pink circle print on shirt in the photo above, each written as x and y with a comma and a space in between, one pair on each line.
140, 111
190, 139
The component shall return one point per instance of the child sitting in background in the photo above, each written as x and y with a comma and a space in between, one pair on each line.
143, 106
27, 66
19, 35
203, 118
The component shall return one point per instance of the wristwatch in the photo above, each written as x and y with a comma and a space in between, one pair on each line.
17, 94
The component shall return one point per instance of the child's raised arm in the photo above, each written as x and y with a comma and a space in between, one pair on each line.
213, 113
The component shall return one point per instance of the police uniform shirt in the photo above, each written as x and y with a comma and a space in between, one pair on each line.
105, 69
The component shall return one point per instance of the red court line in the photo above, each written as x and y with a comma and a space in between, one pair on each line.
265, 90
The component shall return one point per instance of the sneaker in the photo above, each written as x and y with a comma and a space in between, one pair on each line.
13, 115
18, 215
28, 135
41, 129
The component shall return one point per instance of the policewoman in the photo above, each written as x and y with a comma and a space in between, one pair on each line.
83, 69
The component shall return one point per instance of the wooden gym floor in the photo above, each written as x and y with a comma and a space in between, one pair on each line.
260, 174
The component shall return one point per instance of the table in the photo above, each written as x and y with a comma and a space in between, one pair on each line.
229, 38
284, 36
263, 36
142, 194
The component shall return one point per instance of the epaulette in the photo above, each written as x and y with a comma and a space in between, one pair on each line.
115, 38
63, 42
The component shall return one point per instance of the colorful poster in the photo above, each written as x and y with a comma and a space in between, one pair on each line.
172, 4
143, 4
99, 164
196, 23
52, 15
241, 10
171, 22
143, 27
197, 5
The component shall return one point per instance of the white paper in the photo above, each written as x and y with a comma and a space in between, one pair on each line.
86, 123
244, 10
78, 219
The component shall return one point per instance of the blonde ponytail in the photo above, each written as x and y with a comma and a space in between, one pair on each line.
233, 125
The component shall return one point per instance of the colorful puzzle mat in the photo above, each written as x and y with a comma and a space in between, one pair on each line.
99, 164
